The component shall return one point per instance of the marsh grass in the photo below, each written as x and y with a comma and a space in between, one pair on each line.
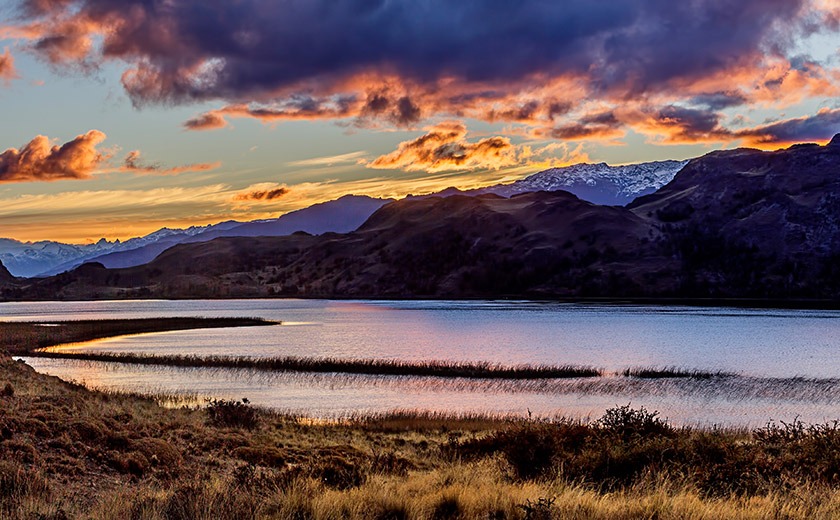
382, 367
674, 372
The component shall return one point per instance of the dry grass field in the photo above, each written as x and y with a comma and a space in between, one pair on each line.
67, 452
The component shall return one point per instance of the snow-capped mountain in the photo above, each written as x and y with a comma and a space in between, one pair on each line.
162, 237
598, 183
31, 258
49, 258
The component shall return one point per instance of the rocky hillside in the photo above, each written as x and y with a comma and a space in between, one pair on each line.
755, 223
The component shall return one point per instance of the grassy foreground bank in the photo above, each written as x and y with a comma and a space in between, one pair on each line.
67, 453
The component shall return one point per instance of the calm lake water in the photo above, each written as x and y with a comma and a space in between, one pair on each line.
787, 361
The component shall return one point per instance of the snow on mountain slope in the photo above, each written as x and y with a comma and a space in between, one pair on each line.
597, 183
338, 216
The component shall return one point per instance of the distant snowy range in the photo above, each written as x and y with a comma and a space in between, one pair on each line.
597, 183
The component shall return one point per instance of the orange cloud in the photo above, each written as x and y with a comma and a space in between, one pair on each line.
7, 67
445, 147
133, 163
38, 160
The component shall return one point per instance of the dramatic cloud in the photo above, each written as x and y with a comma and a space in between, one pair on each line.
819, 127
262, 195
39, 160
602, 125
7, 67
445, 147
134, 164
375, 62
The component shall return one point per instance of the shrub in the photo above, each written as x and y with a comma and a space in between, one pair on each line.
530, 450
236, 414
627, 422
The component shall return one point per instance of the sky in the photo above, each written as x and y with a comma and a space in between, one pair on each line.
120, 117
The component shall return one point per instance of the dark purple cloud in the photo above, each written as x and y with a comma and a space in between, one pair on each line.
720, 100
819, 127
400, 62
250, 49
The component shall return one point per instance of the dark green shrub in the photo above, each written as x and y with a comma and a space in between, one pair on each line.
530, 450
236, 414
629, 422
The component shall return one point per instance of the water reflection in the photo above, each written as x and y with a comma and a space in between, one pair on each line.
737, 400
766, 349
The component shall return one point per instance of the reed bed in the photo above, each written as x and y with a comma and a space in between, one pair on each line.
674, 372
384, 367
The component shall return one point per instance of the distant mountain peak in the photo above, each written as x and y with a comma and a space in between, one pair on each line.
835, 141
598, 183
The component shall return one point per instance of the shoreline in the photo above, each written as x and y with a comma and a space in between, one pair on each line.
737, 303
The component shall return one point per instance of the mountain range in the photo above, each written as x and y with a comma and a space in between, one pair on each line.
49, 258
598, 183
732, 224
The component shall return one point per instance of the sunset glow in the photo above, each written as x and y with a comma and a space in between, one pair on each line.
124, 117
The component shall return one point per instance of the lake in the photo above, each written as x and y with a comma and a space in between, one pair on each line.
786, 361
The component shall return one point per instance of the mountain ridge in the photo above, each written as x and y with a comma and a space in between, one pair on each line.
741, 223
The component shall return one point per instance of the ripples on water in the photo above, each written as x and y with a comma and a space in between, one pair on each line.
767, 349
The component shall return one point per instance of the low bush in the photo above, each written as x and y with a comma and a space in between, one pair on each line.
627, 422
235, 414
